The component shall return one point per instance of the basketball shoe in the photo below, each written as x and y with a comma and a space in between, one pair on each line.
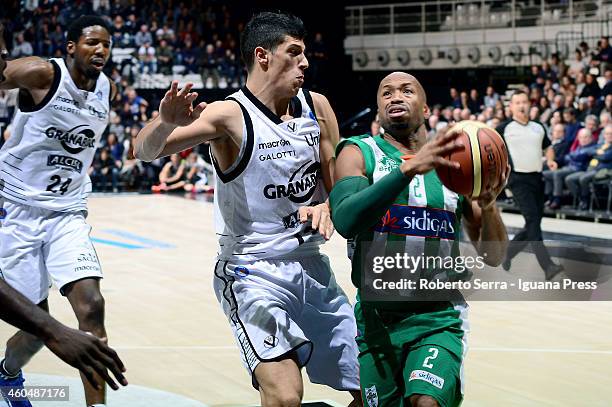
8, 383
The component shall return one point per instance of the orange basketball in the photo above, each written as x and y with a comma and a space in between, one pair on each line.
483, 161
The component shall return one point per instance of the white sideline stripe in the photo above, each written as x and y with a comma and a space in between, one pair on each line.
132, 395
329, 402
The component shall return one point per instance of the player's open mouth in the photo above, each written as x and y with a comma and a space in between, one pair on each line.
98, 63
396, 111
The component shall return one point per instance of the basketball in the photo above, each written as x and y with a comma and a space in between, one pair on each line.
483, 161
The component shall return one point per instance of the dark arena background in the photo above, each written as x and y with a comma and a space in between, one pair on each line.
157, 242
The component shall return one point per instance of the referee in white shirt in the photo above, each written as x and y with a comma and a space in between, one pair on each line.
526, 140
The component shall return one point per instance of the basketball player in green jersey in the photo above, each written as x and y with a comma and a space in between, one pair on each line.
411, 352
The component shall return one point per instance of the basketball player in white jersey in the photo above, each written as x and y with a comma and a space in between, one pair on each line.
63, 111
272, 145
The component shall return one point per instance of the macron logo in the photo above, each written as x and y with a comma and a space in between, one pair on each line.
427, 377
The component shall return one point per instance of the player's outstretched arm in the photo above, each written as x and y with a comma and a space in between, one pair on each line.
80, 350
180, 125
30, 73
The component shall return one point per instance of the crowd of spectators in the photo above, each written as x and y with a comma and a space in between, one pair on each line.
199, 37
573, 100
570, 97
166, 37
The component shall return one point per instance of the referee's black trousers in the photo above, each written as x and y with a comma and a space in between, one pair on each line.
528, 192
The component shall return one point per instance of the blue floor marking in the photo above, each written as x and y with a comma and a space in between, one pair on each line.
140, 239
118, 244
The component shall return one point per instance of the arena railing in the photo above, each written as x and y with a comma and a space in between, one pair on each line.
452, 15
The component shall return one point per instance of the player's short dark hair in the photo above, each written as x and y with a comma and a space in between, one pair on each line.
75, 30
519, 92
268, 30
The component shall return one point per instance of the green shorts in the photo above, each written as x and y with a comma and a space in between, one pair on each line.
406, 353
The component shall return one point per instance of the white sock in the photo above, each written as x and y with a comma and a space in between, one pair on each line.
6, 373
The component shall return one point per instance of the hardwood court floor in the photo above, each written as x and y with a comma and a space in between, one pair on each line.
158, 253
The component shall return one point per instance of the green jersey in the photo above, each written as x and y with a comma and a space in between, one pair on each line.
423, 221
409, 347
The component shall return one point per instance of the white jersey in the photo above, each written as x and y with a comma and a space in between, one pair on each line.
277, 171
44, 163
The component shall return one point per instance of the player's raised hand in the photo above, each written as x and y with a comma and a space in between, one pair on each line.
176, 108
432, 155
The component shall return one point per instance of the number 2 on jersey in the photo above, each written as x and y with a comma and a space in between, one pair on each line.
415, 188
434, 354
56, 180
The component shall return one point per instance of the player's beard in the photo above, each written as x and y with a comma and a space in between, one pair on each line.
401, 129
404, 133
82, 65
92, 73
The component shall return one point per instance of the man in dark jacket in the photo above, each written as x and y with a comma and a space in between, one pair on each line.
577, 160
580, 181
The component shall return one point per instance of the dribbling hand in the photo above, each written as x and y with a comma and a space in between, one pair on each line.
176, 108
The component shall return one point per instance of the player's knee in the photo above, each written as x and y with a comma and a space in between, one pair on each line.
286, 398
421, 400
90, 312
281, 396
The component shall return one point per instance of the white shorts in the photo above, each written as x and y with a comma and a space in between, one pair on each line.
277, 307
37, 243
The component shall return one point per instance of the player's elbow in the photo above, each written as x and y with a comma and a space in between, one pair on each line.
139, 153
344, 224
345, 218
343, 230
339, 219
